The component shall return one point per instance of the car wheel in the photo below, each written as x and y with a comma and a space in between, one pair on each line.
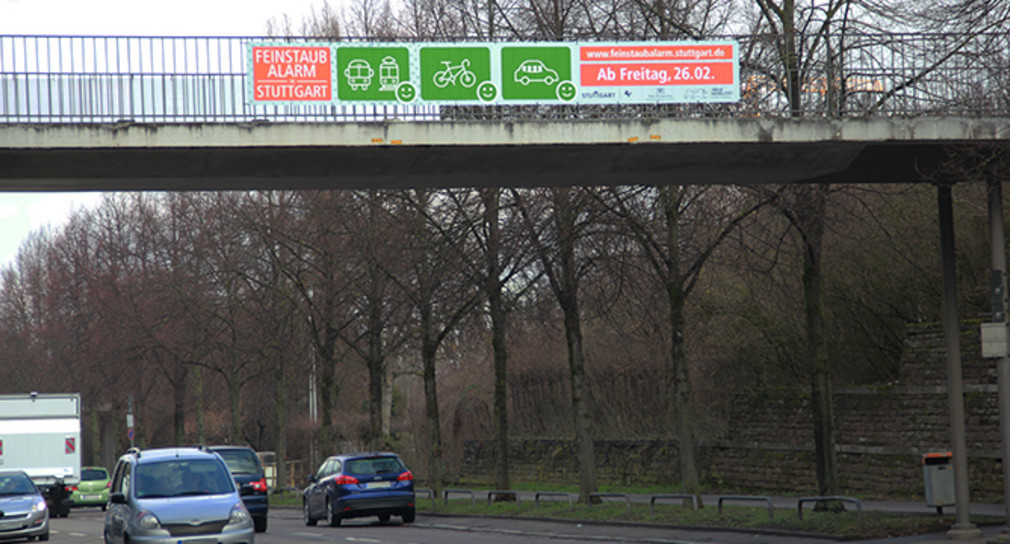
104, 506
332, 517
383, 518
409, 515
307, 515
44, 536
260, 524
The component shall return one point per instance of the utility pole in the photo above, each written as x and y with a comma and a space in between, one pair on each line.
129, 420
313, 417
995, 334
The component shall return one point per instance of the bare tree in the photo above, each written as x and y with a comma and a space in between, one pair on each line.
557, 225
436, 283
276, 311
322, 22
378, 329
653, 217
498, 260
371, 19
431, 19
309, 249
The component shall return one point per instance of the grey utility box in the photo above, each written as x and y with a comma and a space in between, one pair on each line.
939, 477
995, 340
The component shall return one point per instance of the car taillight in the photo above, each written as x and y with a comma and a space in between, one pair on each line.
260, 485
108, 484
344, 479
71, 488
405, 477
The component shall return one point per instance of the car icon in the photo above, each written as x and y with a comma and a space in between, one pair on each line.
534, 70
359, 74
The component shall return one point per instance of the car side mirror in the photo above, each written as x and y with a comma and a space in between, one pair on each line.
117, 498
312, 478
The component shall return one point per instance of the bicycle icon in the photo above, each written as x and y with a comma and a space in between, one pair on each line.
452, 75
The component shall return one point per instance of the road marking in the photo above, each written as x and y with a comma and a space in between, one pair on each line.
78, 534
353, 539
313, 535
556, 535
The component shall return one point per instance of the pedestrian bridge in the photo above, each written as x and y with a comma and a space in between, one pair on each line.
142, 113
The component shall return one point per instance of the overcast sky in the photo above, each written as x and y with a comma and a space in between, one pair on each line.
149, 17
21, 213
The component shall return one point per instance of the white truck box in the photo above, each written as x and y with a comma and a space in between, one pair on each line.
40, 433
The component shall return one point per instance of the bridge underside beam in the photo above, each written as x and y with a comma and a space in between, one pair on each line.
219, 168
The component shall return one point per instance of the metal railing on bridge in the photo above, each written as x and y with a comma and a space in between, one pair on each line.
77, 79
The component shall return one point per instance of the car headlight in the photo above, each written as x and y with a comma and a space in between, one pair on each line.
147, 520
39, 506
238, 514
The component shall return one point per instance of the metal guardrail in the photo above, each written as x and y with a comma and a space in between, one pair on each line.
652, 499
611, 496
857, 502
429, 492
513, 494
768, 500
447, 492
89, 79
538, 494
674, 496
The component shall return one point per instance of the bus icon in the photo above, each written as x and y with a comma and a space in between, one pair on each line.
359, 74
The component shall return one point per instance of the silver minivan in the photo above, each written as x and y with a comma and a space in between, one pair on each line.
175, 495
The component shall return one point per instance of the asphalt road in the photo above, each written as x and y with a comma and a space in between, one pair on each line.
84, 525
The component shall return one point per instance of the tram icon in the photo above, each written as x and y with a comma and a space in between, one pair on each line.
389, 74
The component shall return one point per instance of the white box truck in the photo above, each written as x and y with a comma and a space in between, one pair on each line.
40, 433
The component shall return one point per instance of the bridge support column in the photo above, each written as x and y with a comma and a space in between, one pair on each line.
962, 529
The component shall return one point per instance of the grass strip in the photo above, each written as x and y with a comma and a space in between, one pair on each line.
842, 525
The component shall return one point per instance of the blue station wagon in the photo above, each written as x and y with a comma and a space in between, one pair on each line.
359, 485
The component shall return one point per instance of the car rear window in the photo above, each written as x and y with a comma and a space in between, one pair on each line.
92, 474
371, 466
241, 461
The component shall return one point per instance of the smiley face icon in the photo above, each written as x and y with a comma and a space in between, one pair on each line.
487, 91
566, 91
406, 92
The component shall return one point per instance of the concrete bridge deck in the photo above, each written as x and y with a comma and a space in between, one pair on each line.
264, 155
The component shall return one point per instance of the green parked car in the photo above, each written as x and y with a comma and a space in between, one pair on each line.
93, 489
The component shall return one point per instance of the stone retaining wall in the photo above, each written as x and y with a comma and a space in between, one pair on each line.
883, 431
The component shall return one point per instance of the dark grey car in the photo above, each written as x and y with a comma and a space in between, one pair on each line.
247, 469
175, 495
